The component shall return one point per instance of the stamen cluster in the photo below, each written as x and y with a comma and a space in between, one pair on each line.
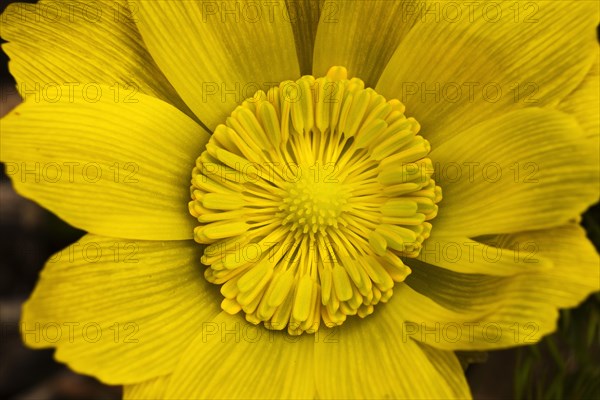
308, 198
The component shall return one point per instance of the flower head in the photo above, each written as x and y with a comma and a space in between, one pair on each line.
315, 193
328, 194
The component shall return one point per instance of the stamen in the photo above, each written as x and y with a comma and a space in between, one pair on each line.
308, 198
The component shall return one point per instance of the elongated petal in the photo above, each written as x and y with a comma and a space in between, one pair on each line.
576, 271
111, 168
528, 169
58, 48
151, 389
477, 329
374, 359
463, 67
461, 254
447, 364
362, 35
584, 102
123, 311
231, 359
304, 16
457, 311
217, 54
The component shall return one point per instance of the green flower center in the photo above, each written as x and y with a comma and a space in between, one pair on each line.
308, 198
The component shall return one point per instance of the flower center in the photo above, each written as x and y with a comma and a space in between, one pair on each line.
311, 205
308, 198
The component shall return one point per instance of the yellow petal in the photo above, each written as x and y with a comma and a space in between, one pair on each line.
504, 323
58, 48
304, 16
151, 389
217, 54
584, 102
528, 169
374, 359
461, 254
120, 310
460, 68
231, 358
111, 168
362, 35
576, 273
457, 311
447, 364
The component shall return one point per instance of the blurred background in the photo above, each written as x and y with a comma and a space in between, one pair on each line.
29, 235
565, 365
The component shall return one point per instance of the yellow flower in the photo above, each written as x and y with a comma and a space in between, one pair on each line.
308, 203
320, 196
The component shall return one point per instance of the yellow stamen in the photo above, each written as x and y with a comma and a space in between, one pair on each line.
309, 196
